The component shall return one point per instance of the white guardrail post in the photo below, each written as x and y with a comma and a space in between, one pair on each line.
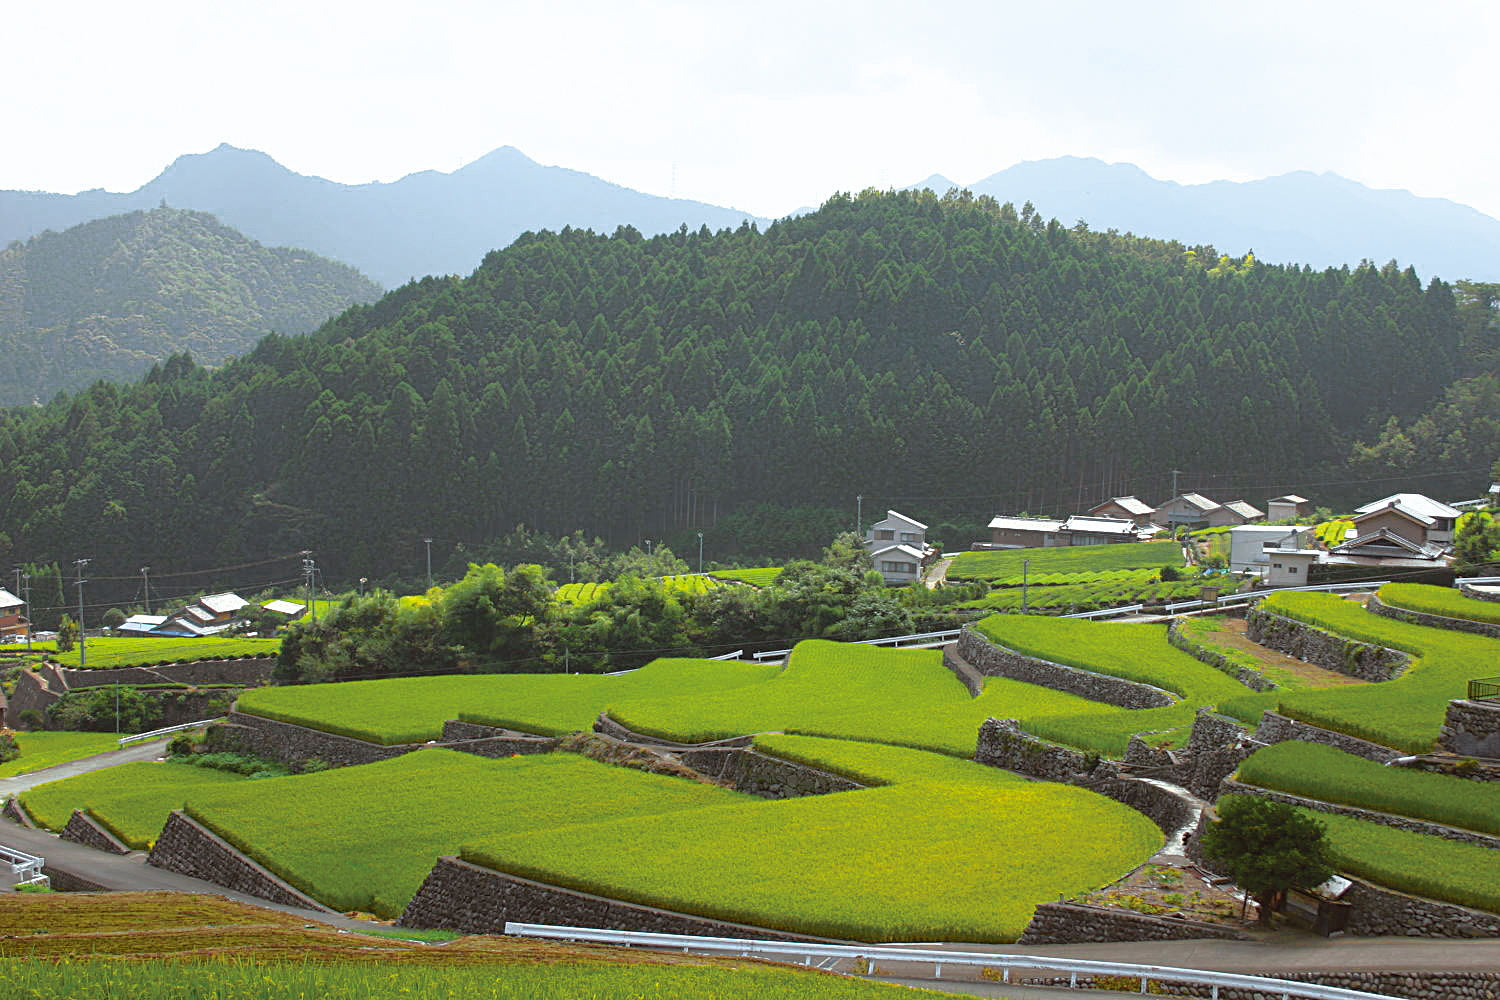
807, 950
23, 867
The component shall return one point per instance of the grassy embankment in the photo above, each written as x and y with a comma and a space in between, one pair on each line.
132, 651
1443, 601
1405, 713
1314, 771
166, 946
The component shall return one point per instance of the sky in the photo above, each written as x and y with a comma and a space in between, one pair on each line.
766, 107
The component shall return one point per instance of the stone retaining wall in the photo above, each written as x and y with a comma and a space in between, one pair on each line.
1252, 679
463, 897
189, 848
1375, 606
504, 746
1471, 728
1485, 593
763, 775
1378, 910
249, 671
1414, 985
1215, 750
1169, 810
62, 881
1080, 923
14, 812
605, 726
1275, 728
996, 661
1233, 787
967, 675
1322, 648
31, 695
1004, 744
294, 745
456, 729
84, 829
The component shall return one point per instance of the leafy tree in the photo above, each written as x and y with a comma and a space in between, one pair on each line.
113, 618
67, 634
1267, 848
1477, 540
847, 551
492, 614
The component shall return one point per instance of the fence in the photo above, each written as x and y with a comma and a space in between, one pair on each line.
1484, 687
23, 867
784, 950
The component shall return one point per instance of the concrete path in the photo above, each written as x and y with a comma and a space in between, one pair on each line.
152, 750
938, 575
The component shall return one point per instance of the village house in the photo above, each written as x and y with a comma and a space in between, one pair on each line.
898, 548
1193, 511
1404, 531
1129, 508
1248, 545
1288, 508
1047, 532
12, 615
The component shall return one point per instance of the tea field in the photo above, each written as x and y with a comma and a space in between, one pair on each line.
1004, 567
133, 651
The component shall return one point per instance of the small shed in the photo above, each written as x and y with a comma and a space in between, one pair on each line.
1288, 508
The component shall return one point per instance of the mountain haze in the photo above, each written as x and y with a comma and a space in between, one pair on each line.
424, 223
109, 298
1298, 218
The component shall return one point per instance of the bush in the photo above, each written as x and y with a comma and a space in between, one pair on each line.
114, 618
1169, 574
9, 749
181, 745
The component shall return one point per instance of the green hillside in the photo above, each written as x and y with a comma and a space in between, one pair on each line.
109, 298
638, 388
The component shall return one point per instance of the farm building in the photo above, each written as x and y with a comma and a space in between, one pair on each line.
898, 547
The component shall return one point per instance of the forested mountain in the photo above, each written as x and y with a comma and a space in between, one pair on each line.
107, 299
1301, 217
946, 353
425, 223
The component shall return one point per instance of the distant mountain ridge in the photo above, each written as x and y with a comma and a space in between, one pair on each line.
425, 223
1301, 217
109, 298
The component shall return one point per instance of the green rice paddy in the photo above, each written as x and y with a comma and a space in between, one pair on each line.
131, 651
132, 801
41, 750
1443, 601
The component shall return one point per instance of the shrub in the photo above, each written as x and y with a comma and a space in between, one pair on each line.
180, 745
9, 749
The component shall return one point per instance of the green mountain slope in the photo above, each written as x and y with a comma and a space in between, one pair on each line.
947, 350
109, 298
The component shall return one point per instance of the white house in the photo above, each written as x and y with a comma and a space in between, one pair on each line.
898, 547
1248, 545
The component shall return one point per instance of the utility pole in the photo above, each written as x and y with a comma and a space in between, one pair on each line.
700, 553
428, 543
859, 514
27, 599
146, 586
1175, 474
648, 546
1025, 582
83, 662
307, 573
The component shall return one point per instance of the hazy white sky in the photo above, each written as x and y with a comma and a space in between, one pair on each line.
766, 106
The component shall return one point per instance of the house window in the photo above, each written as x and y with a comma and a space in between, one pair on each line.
883, 535
908, 536
887, 566
1292, 570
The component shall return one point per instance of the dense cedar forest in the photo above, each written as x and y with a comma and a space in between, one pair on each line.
935, 354
107, 299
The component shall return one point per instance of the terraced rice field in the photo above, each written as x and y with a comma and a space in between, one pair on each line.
41, 750
1004, 567
132, 801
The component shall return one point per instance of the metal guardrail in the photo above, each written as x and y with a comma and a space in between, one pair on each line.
170, 729
1484, 687
738, 654
23, 867
1073, 967
946, 635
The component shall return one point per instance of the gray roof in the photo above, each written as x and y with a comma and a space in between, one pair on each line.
1028, 523
1411, 503
9, 600
1199, 500
1130, 504
1244, 510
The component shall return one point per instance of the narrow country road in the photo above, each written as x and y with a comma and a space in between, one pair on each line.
152, 750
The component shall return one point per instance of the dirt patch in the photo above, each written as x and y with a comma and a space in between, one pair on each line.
1279, 668
1163, 890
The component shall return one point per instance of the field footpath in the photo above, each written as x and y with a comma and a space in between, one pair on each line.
148, 751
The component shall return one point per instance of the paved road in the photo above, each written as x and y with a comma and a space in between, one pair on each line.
151, 750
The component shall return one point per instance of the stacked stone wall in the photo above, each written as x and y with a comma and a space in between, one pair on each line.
14, 812
1233, 787
1379, 911
997, 661
1003, 743
1080, 923
1215, 750
1276, 728
463, 897
605, 726
1471, 728
189, 848
1363, 660
504, 746
763, 775
1376, 606
1483, 593
84, 829
1252, 679
248, 671
32, 694
1413, 985
294, 745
